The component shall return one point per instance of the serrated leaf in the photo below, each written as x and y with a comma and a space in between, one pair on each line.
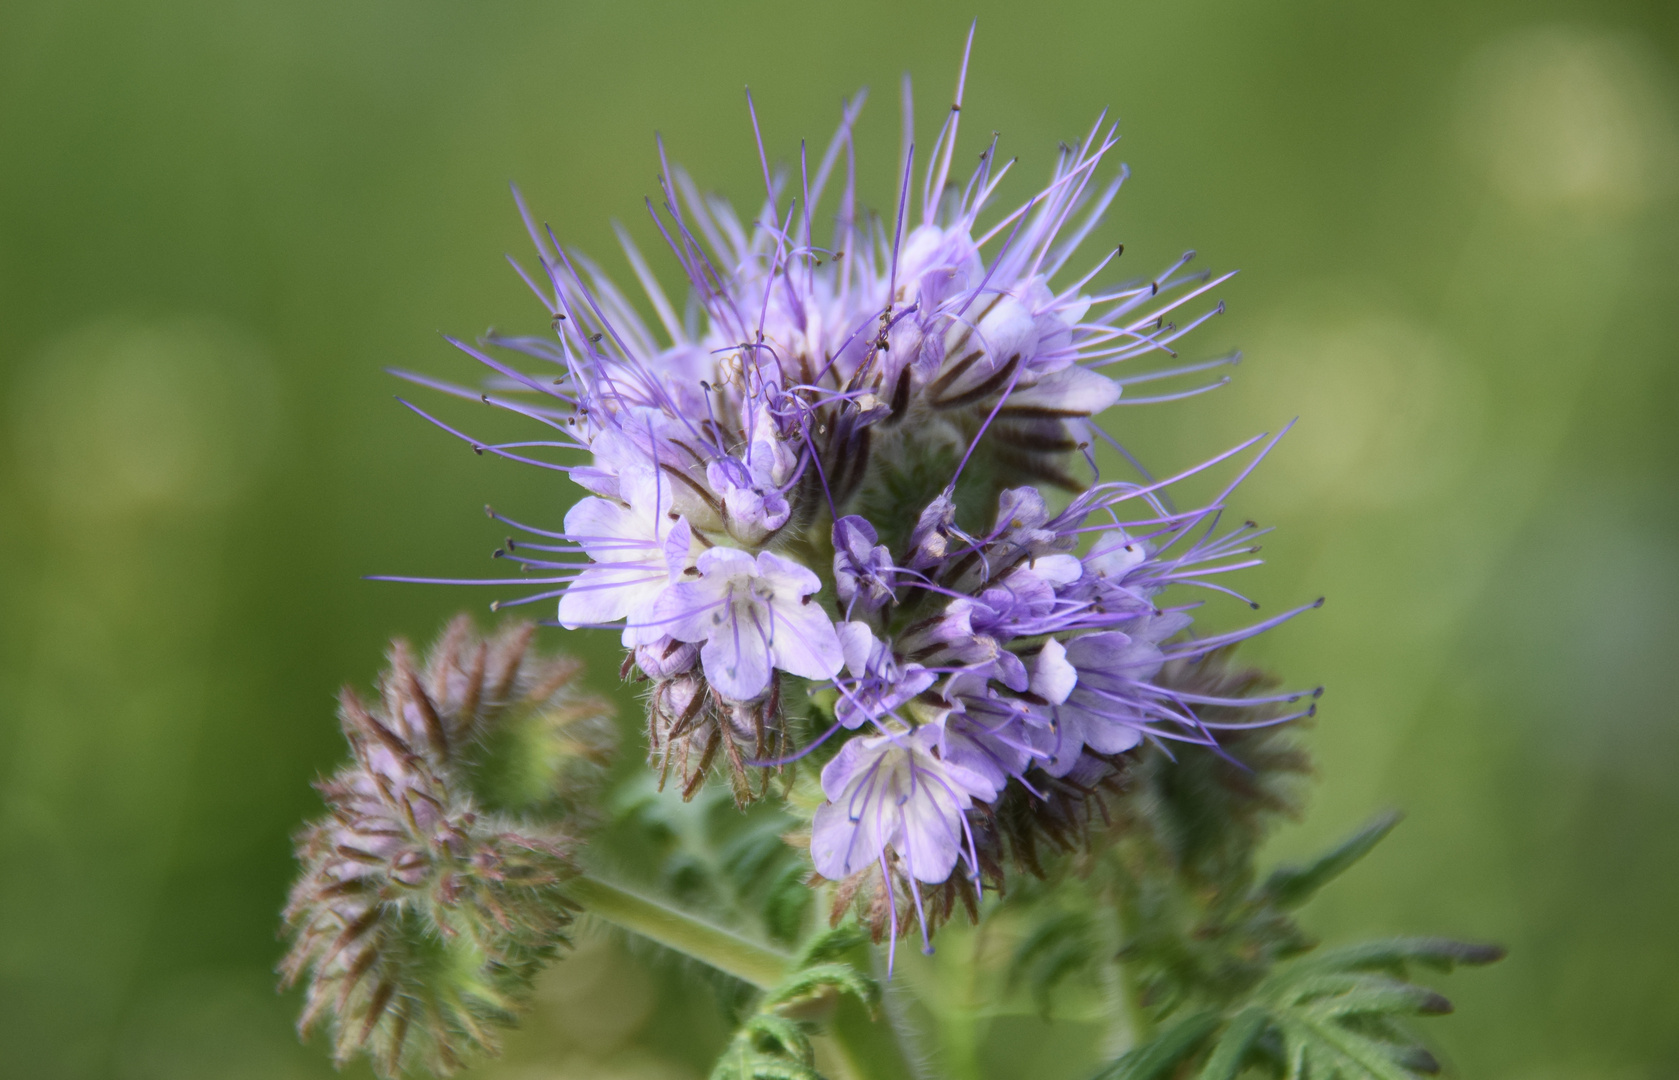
832, 944
1055, 948
1232, 1046
1289, 887
1394, 955
786, 1035
768, 1047
839, 977
1368, 1059
1367, 995
1157, 1056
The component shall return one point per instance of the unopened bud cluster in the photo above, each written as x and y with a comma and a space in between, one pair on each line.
427, 902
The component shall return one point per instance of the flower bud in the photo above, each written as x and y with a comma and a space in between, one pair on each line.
421, 916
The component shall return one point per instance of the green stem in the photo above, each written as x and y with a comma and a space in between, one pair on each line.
1135, 1018
724, 950
869, 1048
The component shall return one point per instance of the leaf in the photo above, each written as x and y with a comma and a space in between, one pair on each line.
832, 944
786, 902
1289, 887
768, 1047
774, 1043
1055, 949
839, 977
1331, 1017
1368, 995
1394, 955
1226, 1059
1342, 1048
1156, 1057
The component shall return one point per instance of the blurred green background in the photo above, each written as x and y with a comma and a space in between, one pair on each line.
1458, 225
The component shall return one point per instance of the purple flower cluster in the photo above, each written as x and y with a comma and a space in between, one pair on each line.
834, 467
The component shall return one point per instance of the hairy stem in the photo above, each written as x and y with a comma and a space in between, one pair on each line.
690, 935
869, 1049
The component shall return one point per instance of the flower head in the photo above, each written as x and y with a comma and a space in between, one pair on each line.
842, 467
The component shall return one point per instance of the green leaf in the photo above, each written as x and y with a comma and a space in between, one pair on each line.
1158, 1056
1366, 995
1056, 948
1289, 887
774, 1043
1345, 1052
1232, 1046
1395, 955
839, 977
832, 944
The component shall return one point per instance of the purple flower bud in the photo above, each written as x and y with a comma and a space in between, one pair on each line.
863, 570
879, 683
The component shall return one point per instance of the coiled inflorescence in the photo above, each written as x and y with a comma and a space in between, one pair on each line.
835, 476
428, 897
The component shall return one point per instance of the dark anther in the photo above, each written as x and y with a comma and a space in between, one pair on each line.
595, 338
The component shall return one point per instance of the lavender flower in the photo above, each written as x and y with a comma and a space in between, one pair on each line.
894, 791
753, 614
798, 480
638, 554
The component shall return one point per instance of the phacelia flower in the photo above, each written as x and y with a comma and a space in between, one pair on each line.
866, 459
753, 614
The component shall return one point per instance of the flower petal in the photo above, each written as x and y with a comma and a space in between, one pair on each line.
1053, 677
735, 653
802, 640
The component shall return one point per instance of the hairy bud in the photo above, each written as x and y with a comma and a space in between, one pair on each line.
424, 908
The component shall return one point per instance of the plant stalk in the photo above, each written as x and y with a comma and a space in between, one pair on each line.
690, 935
868, 1047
